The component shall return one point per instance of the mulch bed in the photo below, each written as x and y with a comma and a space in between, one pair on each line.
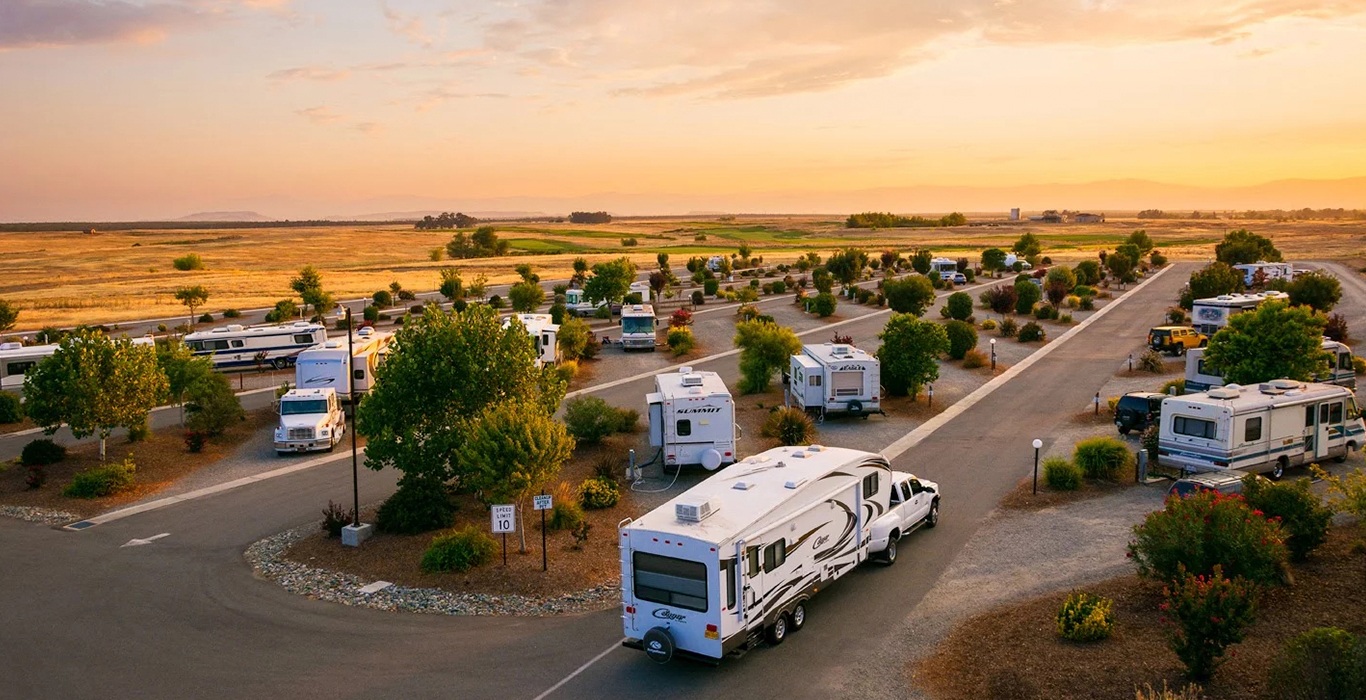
24, 424
1013, 652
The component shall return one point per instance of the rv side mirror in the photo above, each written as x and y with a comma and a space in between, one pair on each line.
275, 405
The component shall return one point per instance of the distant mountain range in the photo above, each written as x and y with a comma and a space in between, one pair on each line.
226, 216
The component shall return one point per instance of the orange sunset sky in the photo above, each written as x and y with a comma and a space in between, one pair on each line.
132, 109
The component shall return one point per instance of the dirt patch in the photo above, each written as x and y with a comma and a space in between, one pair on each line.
1022, 497
24, 424
161, 460
1014, 651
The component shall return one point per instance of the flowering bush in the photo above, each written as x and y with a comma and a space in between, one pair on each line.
680, 318
1205, 614
1085, 618
1205, 530
1301, 513
680, 340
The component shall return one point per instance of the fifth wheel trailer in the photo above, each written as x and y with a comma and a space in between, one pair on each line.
333, 365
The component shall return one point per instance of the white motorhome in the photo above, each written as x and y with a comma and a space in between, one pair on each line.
638, 327
944, 268
310, 420
1340, 369
576, 303
237, 347
329, 364
17, 359
1209, 315
1270, 427
692, 419
835, 377
1270, 271
544, 335
642, 288
740, 555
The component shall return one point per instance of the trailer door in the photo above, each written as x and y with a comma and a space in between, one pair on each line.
1323, 430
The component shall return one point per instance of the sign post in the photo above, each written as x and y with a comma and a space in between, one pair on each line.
504, 521
543, 503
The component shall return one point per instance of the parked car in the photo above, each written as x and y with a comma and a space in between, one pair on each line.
1137, 410
1230, 481
960, 278
1176, 340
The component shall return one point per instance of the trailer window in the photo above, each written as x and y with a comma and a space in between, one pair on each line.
729, 582
870, 485
359, 373
218, 345
774, 555
237, 343
1193, 427
14, 369
671, 581
814, 380
1345, 360
1252, 430
752, 562
303, 338
1308, 416
683, 428
1335, 413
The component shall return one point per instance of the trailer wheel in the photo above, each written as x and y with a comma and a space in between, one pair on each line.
799, 616
777, 632
855, 408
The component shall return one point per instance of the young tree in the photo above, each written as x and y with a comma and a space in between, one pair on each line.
663, 260
580, 272
285, 309
512, 450
1142, 241
1027, 294
993, 260
1001, 299
1242, 246
193, 298
847, 265
576, 340
659, 281
1087, 272
9, 315
1028, 246
910, 295
910, 353
959, 306
1121, 267
921, 261
1214, 279
479, 286
764, 349
182, 369
822, 280
889, 260
451, 286
526, 297
610, 281
93, 385
1058, 284
211, 405
1271, 342
1318, 290
309, 286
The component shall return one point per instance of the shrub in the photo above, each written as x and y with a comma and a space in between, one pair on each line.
336, 517
1148, 692
962, 338
779, 287
370, 313
576, 340
416, 507
406, 295
1031, 332
1043, 312
566, 370
988, 325
496, 302
161, 327
232, 313
1102, 457
697, 298
383, 298
205, 318
791, 426
1009, 327
41, 452
1149, 440
680, 318
1325, 663
1206, 614
626, 420
823, 304
681, 340
1179, 384
1151, 361
1359, 365
589, 419
959, 306
1176, 316
711, 286
103, 480
195, 440
597, 493
975, 359
565, 515
36, 477
11, 408
1065, 319
1087, 304
1304, 518
1061, 475
1229, 533
1085, 618
461, 550
185, 263
1336, 328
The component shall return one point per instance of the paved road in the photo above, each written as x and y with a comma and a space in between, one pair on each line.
184, 616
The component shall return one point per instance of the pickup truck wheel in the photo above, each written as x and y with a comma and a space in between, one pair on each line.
777, 632
889, 554
933, 518
799, 616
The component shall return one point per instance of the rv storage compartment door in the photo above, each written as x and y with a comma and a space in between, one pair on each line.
846, 384
654, 405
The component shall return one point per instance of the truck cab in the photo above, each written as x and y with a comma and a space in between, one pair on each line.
914, 504
310, 420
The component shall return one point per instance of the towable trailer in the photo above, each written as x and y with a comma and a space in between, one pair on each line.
692, 419
330, 364
240, 347
544, 335
835, 378
1341, 371
1211, 314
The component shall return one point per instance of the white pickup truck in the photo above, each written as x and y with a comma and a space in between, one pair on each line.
310, 420
914, 504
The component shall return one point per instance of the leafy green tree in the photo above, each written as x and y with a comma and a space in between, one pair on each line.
1242, 246
610, 281
383, 299
959, 306
580, 272
1318, 290
1273, 341
1028, 246
94, 385
193, 298
285, 309
1058, 284
211, 405
993, 260
451, 286
9, 315
910, 353
1027, 294
1130, 251
182, 370
824, 304
745, 251
479, 286
822, 280
526, 297
962, 338
889, 260
1214, 279
764, 349
524, 271
1087, 272
921, 261
512, 450
576, 340
1141, 240
1121, 267
910, 295
953, 219
847, 265
309, 286
663, 260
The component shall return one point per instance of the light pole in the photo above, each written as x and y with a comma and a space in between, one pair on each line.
931, 401
993, 354
351, 392
1037, 444
1131, 362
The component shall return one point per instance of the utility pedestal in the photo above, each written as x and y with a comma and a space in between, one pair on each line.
353, 535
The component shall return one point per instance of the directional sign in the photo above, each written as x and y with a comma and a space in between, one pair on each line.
541, 502
504, 519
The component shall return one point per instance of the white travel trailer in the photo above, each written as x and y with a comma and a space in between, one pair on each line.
576, 303
17, 359
240, 347
834, 377
1209, 315
1270, 271
741, 554
1012, 258
544, 335
638, 325
944, 268
330, 364
692, 419
1270, 427
1340, 369
642, 288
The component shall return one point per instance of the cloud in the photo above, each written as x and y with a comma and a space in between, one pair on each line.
28, 24
320, 115
410, 27
316, 73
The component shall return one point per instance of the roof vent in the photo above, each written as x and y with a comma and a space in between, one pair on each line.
794, 484
235, 328
799, 455
11, 346
692, 380
1223, 392
743, 485
815, 448
1285, 384
839, 349
694, 511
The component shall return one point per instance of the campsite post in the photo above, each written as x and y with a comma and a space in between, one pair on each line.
993, 354
1037, 444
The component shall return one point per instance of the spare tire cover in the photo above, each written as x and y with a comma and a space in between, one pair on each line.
659, 645
711, 459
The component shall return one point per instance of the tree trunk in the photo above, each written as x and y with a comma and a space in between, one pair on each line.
521, 529
102, 439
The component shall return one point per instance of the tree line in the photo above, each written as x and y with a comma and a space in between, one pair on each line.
446, 220
590, 217
874, 219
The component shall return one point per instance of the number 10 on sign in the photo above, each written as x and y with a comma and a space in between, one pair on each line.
504, 519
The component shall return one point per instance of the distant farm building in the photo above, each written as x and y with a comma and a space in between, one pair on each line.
1015, 214
1089, 218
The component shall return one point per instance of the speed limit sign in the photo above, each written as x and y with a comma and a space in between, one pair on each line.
504, 519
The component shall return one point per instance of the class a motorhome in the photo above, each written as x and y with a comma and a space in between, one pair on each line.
943, 268
638, 325
692, 419
738, 556
240, 347
835, 378
1270, 271
544, 335
1340, 369
16, 359
1209, 315
329, 364
1269, 427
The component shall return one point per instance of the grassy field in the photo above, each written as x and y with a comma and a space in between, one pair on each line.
70, 277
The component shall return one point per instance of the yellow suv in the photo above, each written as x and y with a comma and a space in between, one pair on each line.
1176, 339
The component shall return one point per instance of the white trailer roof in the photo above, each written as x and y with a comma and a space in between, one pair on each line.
238, 330
1280, 392
827, 353
684, 383
535, 323
1242, 300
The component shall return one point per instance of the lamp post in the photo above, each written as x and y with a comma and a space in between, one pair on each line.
1037, 444
1131, 362
351, 392
993, 354
931, 401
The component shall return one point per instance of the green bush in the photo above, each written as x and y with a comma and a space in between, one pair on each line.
626, 420
461, 550
1359, 365
988, 325
370, 313
185, 263
335, 517
11, 408
103, 480
1228, 534
496, 301
590, 419
681, 340
1179, 384
1151, 361
1325, 663
1085, 618
1102, 457
1304, 518
597, 493
416, 507
1031, 332
1009, 327
710, 286
791, 426
565, 515
1043, 312
1061, 475
1206, 614
959, 306
41, 452
206, 318
824, 304
232, 313
962, 338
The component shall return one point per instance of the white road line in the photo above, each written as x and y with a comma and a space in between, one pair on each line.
579, 670
35, 431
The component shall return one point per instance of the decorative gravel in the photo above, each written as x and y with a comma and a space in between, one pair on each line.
38, 515
267, 559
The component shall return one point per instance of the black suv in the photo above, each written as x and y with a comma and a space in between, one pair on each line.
1137, 410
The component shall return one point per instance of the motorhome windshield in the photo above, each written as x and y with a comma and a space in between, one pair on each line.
299, 408
671, 581
637, 325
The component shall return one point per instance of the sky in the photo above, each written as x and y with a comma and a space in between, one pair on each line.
128, 109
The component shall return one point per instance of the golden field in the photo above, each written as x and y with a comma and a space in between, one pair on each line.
68, 278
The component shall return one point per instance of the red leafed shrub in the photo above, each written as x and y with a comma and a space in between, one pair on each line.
680, 318
1204, 615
